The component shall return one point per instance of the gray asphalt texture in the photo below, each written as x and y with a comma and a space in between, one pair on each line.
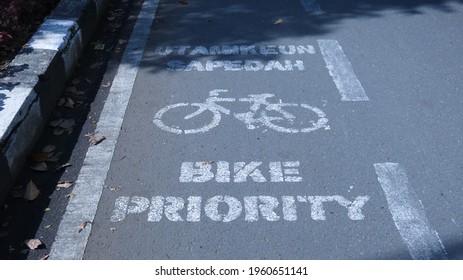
408, 57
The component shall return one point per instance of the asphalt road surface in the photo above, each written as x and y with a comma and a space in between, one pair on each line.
278, 130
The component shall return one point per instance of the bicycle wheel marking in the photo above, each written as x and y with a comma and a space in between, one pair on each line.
160, 124
256, 117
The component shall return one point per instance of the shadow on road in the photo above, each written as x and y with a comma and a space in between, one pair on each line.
202, 22
228, 22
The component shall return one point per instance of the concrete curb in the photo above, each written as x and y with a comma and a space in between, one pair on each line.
36, 78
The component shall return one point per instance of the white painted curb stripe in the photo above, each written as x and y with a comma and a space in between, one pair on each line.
342, 72
69, 243
311, 6
408, 214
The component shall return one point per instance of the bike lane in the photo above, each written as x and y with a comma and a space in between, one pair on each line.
227, 185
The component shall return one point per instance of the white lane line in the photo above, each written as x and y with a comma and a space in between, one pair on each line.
408, 213
342, 72
311, 6
69, 242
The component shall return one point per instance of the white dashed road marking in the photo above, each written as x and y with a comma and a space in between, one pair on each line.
70, 242
342, 72
408, 213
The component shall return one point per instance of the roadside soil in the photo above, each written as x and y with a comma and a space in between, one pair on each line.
19, 20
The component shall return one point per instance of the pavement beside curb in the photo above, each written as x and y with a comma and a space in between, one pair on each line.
36, 78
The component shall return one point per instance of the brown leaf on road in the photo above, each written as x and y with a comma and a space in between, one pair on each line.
54, 157
76, 81
107, 85
70, 196
69, 103
49, 149
33, 243
95, 140
61, 102
40, 167
72, 90
58, 131
99, 47
67, 123
39, 157
96, 65
278, 21
31, 192
66, 165
44, 258
64, 184
83, 225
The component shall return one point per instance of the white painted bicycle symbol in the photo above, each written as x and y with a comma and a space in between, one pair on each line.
261, 112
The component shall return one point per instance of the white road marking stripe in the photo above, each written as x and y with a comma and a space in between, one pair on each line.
69, 243
408, 213
311, 6
342, 72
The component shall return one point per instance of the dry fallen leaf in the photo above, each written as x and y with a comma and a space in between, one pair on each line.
96, 65
69, 103
47, 227
99, 47
76, 81
56, 123
39, 157
44, 258
31, 192
67, 123
72, 90
278, 21
115, 25
95, 140
122, 41
62, 166
49, 149
58, 131
33, 243
71, 195
83, 225
64, 184
40, 167
112, 188
54, 157
107, 85
61, 102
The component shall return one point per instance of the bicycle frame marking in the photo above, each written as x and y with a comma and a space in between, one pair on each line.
254, 118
